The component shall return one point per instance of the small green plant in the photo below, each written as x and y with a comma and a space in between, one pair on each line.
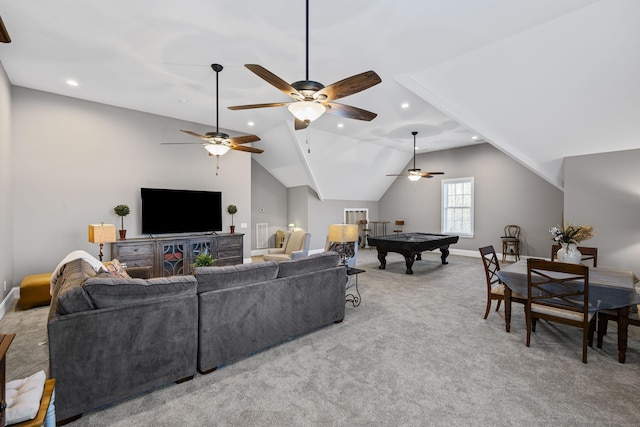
204, 260
122, 211
232, 209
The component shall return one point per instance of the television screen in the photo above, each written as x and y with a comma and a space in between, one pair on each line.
180, 211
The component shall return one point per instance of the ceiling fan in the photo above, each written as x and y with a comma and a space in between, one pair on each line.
312, 99
414, 173
218, 143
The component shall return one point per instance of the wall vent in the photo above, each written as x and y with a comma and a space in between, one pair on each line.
262, 235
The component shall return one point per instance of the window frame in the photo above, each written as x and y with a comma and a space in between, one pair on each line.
445, 183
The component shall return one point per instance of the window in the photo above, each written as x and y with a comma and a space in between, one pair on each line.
457, 206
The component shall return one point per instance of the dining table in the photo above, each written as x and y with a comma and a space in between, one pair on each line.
609, 289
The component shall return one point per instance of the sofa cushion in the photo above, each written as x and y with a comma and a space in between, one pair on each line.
308, 264
213, 278
71, 297
107, 292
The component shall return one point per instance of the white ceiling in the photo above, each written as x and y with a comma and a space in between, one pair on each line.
538, 79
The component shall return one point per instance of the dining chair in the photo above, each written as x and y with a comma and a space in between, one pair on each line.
557, 292
511, 242
603, 322
588, 253
495, 288
398, 226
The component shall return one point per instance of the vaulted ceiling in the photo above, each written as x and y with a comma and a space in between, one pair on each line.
539, 79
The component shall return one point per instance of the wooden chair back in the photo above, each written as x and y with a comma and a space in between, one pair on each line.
559, 292
491, 266
398, 226
512, 231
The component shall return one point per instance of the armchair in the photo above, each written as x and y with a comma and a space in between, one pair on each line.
296, 245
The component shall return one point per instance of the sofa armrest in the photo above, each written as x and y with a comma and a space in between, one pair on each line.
298, 254
275, 250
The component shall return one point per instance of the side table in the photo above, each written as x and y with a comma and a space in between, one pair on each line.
353, 298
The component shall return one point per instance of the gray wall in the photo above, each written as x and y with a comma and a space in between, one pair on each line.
6, 212
268, 202
298, 206
505, 193
603, 190
79, 159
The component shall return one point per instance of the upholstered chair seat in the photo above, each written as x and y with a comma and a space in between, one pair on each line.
296, 245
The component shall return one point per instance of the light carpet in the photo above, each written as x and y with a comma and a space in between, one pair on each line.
415, 352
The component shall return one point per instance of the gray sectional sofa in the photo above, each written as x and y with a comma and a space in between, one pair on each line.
113, 338
249, 307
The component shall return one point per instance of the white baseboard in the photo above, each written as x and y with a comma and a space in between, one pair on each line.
13, 295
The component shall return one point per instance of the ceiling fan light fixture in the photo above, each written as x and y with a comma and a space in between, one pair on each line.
414, 176
217, 149
307, 110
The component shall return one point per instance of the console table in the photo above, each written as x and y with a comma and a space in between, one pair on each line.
169, 256
353, 298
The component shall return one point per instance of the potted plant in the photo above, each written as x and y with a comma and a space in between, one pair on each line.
232, 209
122, 211
204, 260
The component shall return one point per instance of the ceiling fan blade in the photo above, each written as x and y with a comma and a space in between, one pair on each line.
349, 112
243, 139
247, 107
194, 134
274, 80
348, 86
247, 149
431, 173
4, 34
300, 124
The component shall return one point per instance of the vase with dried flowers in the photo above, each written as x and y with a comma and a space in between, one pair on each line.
569, 238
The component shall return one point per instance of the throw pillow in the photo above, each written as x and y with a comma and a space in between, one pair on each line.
116, 270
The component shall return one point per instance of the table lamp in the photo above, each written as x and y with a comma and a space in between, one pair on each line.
102, 233
343, 233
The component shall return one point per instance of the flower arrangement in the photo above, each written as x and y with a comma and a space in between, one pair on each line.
571, 233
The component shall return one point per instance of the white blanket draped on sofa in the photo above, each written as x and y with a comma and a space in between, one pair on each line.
78, 254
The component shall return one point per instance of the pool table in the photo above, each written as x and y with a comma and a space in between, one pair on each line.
411, 246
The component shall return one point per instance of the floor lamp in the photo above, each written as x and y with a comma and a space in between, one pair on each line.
102, 233
343, 234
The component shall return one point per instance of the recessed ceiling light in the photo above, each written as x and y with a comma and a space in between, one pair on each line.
72, 82
183, 100
474, 137
251, 123
405, 105
340, 125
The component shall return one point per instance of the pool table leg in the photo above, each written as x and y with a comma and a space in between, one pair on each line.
445, 254
382, 257
408, 260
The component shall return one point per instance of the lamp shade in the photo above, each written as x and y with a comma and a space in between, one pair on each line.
102, 233
414, 176
217, 149
343, 233
307, 110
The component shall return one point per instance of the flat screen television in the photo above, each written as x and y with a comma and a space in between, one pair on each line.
180, 211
